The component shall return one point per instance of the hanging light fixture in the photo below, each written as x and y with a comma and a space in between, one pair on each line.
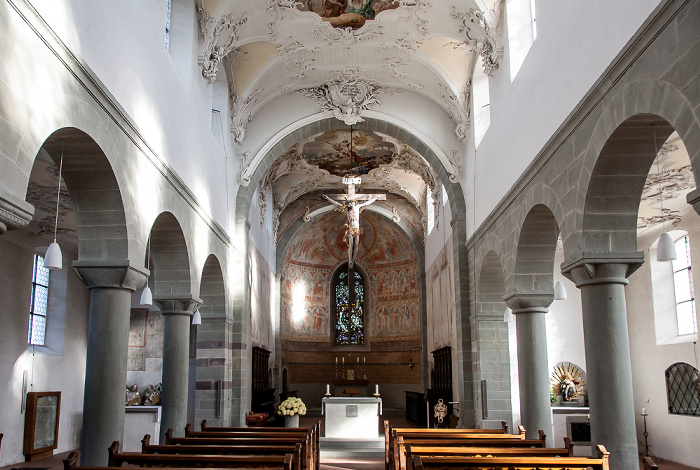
665, 250
146, 294
197, 318
560, 291
54, 258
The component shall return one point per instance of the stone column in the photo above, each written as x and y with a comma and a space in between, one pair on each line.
177, 310
609, 370
533, 366
111, 283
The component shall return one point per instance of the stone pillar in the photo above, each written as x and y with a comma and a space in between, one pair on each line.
533, 365
111, 283
177, 310
609, 370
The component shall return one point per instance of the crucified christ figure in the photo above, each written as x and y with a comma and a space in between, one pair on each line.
352, 203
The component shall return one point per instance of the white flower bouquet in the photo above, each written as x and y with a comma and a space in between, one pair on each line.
292, 406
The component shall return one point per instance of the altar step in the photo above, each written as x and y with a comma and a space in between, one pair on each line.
334, 448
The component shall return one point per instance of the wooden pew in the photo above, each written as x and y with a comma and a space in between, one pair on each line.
246, 449
308, 460
432, 451
119, 459
315, 434
71, 463
648, 464
514, 463
396, 451
441, 431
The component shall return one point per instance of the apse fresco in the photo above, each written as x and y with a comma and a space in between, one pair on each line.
347, 13
331, 151
392, 280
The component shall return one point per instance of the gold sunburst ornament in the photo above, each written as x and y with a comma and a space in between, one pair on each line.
568, 381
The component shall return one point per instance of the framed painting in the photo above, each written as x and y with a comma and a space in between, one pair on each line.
41, 424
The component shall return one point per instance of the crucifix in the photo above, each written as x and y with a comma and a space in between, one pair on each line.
352, 203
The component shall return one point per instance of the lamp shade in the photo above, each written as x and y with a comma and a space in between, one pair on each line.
196, 318
666, 250
53, 258
559, 291
146, 296
508, 315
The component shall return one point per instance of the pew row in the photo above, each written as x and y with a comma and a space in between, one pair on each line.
241, 462
245, 449
307, 452
514, 463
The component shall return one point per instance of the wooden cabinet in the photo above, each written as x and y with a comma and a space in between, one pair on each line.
41, 424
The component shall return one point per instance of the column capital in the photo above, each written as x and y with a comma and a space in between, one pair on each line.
14, 215
529, 302
110, 273
608, 268
177, 304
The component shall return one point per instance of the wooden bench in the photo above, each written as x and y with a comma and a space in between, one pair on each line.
246, 449
396, 453
315, 431
71, 463
314, 435
433, 451
307, 452
119, 459
514, 463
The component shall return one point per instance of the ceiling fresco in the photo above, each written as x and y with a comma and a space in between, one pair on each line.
344, 151
347, 13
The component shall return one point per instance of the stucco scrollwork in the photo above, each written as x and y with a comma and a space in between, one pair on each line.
347, 95
217, 40
242, 111
479, 30
347, 36
243, 165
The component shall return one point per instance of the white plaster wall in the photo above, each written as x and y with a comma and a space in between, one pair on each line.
123, 44
439, 236
673, 437
576, 41
261, 236
65, 372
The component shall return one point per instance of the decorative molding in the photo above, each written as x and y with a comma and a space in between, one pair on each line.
304, 66
397, 217
12, 216
217, 40
480, 35
347, 36
457, 108
456, 167
393, 63
671, 182
244, 162
291, 45
241, 111
277, 8
415, 15
347, 95
306, 217
672, 216
407, 44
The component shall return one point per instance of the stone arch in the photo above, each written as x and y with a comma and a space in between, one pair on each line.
94, 190
213, 381
654, 107
169, 258
534, 254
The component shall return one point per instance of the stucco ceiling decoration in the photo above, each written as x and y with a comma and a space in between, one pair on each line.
217, 39
480, 32
242, 111
347, 95
671, 173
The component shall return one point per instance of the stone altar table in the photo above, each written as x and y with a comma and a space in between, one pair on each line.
352, 417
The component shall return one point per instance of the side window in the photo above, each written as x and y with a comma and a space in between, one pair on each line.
682, 390
521, 32
39, 303
683, 287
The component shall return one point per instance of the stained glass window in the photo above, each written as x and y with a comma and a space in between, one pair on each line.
349, 309
38, 304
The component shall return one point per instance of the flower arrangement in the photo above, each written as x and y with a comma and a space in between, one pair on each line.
292, 406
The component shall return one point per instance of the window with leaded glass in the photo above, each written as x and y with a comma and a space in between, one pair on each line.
683, 284
39, 302
349, 308
683, 389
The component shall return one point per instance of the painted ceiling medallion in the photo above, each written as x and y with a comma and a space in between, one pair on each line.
347, 95
347, 13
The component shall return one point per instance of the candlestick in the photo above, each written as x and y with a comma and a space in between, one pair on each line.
644, 411
364, 359
336, 359
343, 360
376, 389
358, 359
328, 388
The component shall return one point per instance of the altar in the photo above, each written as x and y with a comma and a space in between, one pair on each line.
352, 417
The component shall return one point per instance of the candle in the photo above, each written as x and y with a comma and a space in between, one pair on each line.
644, 411
336, 359
376, 389
358, 359
328, 389
364, 359
589, 416
343, 360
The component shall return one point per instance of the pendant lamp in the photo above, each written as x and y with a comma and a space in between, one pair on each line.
666, 249
560, 291
54, 258
146, 294
197, 318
